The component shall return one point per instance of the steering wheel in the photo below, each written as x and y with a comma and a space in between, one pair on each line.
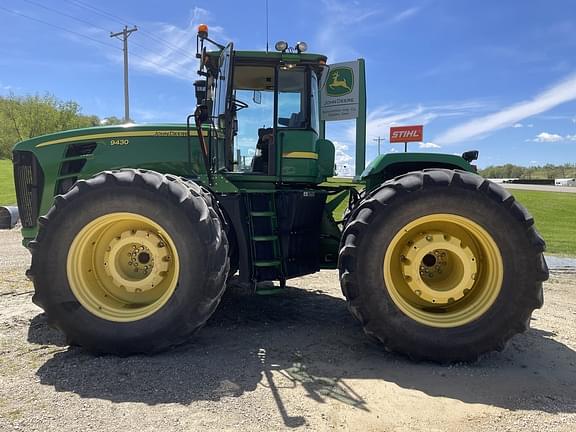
239, 105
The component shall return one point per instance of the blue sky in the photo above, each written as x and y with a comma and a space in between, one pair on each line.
497, 76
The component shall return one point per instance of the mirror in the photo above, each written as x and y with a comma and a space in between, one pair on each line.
257, 97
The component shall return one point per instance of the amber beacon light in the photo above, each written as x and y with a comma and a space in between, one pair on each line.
203, 30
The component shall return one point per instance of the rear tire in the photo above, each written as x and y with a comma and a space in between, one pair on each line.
130, 261
442, 265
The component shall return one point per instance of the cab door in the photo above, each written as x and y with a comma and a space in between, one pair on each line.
220, 141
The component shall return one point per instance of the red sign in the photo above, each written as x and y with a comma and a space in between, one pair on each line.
402, 134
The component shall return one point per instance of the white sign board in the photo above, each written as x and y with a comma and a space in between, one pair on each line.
340, 95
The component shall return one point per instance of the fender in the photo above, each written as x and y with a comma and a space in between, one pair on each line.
388, 166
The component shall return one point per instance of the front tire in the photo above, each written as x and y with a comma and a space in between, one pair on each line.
130, 261
442, 265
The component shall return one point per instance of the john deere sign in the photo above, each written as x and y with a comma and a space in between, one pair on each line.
340, 92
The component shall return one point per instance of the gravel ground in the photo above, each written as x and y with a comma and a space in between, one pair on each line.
291, 360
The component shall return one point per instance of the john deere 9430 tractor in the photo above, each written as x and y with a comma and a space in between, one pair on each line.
135, 230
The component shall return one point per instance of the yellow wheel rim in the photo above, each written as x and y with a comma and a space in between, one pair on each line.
443, 270
122, 267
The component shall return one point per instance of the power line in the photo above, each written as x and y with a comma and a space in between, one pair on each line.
158, 65
267, 38
98, 11
168, 44
66, 15
123, 21
13, 12
150, 62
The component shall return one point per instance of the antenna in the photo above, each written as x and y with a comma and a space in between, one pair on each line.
267, 39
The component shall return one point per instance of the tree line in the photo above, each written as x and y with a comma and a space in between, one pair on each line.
548, 171
24, 117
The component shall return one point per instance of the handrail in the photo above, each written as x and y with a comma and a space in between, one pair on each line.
201, 141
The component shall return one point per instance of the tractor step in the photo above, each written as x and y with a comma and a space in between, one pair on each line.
267, 263
264, 238
263, 213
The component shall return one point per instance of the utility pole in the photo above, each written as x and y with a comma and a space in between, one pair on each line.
124, 38
379, 140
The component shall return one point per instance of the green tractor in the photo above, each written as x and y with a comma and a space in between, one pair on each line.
136, 230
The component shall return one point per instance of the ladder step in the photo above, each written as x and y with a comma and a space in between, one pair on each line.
267, 263
263, 238
263, 213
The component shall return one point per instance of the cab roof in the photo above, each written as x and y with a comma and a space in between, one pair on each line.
270, 57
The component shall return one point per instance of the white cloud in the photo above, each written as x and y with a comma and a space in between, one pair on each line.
340, 14
546, 137
428, 145
379, 120
560, 93
344, 162
517, 125
173, 56
404, 15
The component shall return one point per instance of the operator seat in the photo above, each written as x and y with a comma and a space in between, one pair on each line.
260, 159
297, 121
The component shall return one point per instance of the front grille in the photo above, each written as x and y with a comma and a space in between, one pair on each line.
29, 181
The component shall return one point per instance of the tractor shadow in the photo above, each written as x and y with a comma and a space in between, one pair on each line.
307, 341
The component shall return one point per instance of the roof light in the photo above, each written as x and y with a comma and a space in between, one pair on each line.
203, 31
281, 46
301, 47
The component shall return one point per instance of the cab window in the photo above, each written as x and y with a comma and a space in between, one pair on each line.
292, 105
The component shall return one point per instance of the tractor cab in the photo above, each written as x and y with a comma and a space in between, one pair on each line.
262, 111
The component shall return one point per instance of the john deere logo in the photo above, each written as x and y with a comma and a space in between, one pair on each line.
340, 82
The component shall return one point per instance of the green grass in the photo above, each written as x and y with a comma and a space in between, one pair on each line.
555, 216
7, 193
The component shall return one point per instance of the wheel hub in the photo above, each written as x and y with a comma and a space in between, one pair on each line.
136, 261
438, 268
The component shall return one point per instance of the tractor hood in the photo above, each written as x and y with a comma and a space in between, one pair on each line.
101, 133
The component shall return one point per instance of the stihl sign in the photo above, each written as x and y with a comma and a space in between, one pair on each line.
403, 134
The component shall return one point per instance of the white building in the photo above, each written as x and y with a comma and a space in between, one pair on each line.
565, 182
